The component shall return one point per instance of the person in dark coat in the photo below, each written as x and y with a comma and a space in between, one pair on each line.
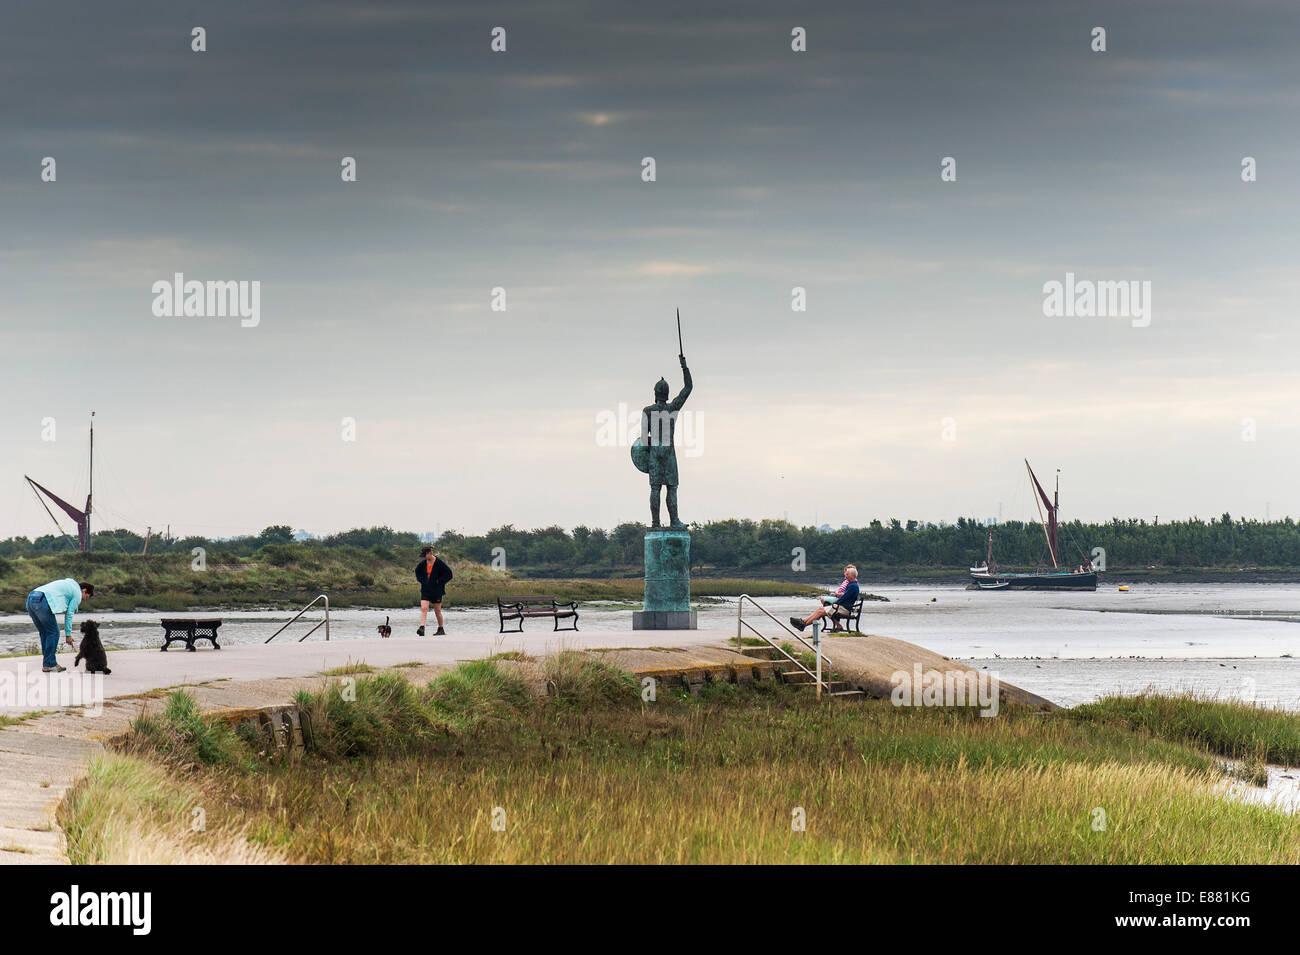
434, 574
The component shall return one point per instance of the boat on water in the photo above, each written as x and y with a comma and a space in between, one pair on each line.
988, 576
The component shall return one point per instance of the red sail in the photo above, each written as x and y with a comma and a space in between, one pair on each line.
1051, 513
81, 517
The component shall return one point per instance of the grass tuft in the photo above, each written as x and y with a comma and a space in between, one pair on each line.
1234, 729
349, 669
475, 695
183, 735
371, 716
578, 679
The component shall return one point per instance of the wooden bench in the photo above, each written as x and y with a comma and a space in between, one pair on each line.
854, 616
187, 629
525, 608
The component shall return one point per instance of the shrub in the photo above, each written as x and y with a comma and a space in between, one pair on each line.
278, 555
374, 715
476, 694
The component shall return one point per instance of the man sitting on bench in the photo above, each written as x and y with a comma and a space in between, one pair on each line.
840, 604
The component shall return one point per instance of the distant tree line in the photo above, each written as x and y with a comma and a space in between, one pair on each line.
733, 545
276, 536
746, 544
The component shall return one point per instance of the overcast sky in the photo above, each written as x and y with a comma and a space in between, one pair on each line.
523, 170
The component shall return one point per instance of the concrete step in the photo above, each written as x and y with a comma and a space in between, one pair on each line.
46, 844
841, 689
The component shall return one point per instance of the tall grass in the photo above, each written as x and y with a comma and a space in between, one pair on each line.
476, 694
1235, 729
182, 735
380, 715
588, 773
578, 679
130, 811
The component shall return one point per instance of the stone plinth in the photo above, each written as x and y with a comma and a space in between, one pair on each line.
667, 582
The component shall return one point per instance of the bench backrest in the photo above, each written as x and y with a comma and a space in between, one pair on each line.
526, 601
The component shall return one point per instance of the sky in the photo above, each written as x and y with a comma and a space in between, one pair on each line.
921, 373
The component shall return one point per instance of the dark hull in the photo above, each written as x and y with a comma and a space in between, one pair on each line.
1054, 581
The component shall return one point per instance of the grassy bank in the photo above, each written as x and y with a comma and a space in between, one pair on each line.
1247, 733
588, 773
289, 576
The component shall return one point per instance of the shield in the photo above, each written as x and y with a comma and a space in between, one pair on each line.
641, 456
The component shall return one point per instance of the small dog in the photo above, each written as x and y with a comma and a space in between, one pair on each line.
384, 629
92, 651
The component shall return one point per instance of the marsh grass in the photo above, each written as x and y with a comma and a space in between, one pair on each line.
1238, 730
477, 695
130, 811
1254, 773
578, 679
381, 715
588, 773
279, 576
181, 734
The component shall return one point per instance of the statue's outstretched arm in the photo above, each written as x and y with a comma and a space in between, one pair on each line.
686, 391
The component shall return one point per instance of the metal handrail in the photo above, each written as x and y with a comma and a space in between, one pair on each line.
325, 623
815, 646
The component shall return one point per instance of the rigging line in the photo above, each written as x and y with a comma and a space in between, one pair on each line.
1074, 541
125, 523
115, 539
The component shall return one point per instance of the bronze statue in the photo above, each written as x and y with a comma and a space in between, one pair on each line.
653, 452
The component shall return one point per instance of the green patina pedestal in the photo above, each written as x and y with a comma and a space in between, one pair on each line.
667, 582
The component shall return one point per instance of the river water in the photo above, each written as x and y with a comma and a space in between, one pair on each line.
1238, 641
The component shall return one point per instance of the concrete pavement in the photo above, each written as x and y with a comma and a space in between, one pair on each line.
139, 671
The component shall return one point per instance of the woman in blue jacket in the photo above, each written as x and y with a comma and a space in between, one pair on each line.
43, 606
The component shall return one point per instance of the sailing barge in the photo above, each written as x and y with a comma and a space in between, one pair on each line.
988, 576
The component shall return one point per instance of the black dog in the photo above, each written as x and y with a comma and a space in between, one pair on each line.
384, 629
92, 651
